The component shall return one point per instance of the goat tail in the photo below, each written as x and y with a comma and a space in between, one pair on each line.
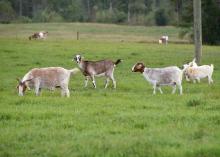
74, 71
118, 61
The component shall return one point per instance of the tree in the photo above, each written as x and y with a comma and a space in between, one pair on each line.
160, 17
6, 12
210, 20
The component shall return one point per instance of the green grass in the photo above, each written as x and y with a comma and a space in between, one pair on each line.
128, 121
91, 31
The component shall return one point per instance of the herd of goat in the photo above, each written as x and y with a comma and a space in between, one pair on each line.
58, 77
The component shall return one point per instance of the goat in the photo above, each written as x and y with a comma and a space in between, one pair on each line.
50, 78
200, 72
163, 39
171, 76
90, 69
194, 72
190, 64
39, 35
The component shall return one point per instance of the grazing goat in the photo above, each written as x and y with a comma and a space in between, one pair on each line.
163, 39
190, 64
194, 72
171, 76
90, 69
39, 35
50, 78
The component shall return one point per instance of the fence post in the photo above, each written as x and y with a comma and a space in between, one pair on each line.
77, 35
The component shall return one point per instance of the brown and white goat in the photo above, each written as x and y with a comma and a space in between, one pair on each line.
50, 78
39, 35
163, 39
90, 69
171, 76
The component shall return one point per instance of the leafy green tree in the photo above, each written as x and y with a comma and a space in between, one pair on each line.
47, 16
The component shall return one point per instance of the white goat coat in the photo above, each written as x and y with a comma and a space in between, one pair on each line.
163, 76
199, 72
171, 76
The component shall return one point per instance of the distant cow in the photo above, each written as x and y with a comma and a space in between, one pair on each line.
50, 78
163, 40
39, 35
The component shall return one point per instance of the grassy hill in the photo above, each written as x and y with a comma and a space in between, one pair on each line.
128, 121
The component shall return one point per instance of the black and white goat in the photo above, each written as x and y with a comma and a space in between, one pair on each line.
90, 69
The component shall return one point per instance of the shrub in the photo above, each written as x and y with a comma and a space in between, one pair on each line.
149, 19
22, 19
47, 16
186, 33
111, 17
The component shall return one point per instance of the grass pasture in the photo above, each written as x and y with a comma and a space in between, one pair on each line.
128, 121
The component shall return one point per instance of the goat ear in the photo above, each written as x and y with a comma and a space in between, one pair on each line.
29, 80
18, 79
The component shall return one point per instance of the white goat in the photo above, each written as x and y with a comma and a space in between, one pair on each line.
90, 69
171, 76
194, 72
50, 78
190, 64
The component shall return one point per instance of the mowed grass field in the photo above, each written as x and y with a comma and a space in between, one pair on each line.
128, 121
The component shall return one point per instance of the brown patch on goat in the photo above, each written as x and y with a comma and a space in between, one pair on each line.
23, 85
34, 36
98, 66
139, 67
163, 40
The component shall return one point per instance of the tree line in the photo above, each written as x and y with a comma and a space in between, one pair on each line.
132, 12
